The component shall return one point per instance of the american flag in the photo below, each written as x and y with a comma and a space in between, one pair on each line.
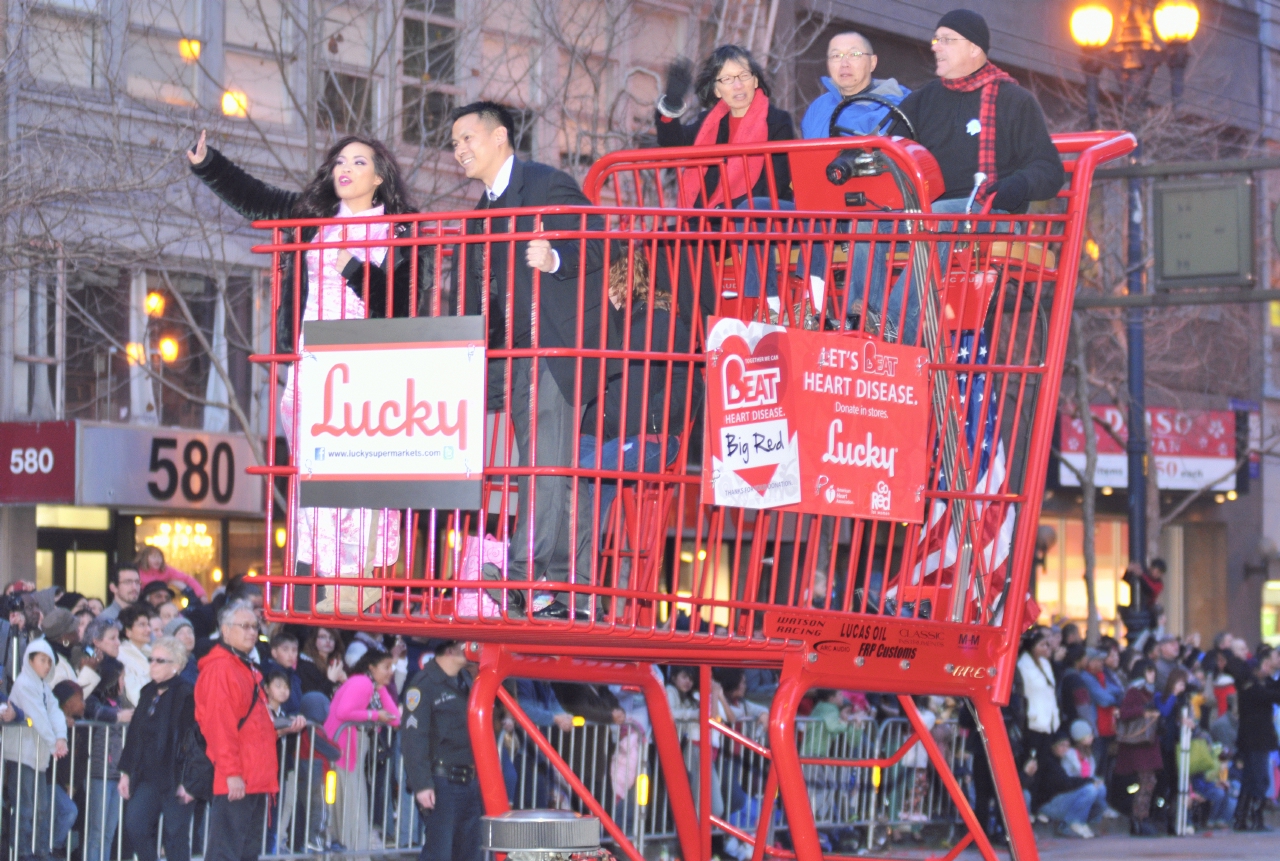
991, 524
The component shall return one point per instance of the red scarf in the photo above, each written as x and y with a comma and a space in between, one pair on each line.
754, 128
988, 79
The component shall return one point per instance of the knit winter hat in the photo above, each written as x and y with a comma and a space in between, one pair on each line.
1080, 729
176, 624
58, 624
969, 24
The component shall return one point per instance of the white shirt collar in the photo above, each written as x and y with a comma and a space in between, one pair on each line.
502, 180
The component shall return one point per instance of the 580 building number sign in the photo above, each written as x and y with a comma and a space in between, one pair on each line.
199, 475
31, 461
145, 467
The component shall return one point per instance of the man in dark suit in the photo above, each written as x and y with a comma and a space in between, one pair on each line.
561, 279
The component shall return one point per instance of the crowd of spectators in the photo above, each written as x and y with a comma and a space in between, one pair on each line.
77, 674
1096, 730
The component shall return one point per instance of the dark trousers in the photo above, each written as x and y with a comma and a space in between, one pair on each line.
555, 542
1255, 779
142, 815
235, 828
27, 795
453, 826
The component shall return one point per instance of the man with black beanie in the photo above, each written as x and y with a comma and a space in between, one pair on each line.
975, 118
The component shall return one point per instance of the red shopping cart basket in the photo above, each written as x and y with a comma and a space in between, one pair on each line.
537, 463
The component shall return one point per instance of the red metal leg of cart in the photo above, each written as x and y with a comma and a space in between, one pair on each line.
484, 744
498, 662
943, 768
1004, 773
704, 762
666, 738
786, 761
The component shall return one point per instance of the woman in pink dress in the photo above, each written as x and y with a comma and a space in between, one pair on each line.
359, 178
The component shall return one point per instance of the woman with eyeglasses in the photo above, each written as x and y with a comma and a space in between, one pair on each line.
151, 763
734, 93
732, 88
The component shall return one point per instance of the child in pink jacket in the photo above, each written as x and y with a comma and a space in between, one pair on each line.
364, 698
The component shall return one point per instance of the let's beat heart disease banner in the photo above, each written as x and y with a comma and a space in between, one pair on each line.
816, 422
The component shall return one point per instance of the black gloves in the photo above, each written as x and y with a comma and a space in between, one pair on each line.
1011, 193
679, 82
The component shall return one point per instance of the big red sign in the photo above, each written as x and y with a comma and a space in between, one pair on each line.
39, 462
817, 422
391, 413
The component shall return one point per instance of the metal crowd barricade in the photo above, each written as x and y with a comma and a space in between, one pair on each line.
371, 806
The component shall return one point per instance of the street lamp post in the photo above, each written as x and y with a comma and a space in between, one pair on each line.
1150, 33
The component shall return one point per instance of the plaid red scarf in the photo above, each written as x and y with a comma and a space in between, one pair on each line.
987, 79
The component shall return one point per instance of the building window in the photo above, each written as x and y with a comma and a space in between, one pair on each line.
64, 45
347, 104
160, 57
255, 61
1060, 587
428, 69
426, 115
524, 131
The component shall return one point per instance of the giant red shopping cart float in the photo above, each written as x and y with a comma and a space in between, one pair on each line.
933, 602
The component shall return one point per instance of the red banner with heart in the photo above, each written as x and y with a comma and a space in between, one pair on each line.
816, 422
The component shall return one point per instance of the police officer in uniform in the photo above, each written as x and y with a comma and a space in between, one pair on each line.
439, 765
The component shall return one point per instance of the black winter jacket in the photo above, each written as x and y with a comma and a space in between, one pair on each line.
257, 201
1025, 154
153, 747
636, 335
1051, 780
672, 132
1257, 732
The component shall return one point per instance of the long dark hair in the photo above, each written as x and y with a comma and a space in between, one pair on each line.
705, 86
319, 200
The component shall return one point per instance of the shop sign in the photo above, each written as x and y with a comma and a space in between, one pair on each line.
39, 462
391, 413
821, 423
137, 466
1193, 449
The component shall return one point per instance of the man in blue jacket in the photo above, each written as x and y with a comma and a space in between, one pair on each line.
850, 62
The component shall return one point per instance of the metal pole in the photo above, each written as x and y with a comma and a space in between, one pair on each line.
1137, 443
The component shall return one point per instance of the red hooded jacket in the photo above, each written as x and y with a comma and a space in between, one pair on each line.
224, 691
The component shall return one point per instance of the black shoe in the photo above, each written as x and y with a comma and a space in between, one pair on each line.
556, 610
1244, 806
1257, 817
514, 599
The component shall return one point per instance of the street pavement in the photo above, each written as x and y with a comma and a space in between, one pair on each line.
1218, 846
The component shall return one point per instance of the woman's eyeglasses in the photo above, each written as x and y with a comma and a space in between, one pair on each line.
159, 661
742, 78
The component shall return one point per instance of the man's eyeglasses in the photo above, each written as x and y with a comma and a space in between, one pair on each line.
742, 78
245, 626
947, 40
848, 55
